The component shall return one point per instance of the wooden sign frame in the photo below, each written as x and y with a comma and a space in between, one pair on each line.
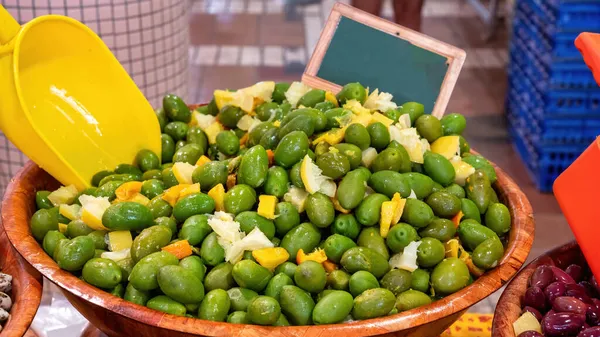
455, 56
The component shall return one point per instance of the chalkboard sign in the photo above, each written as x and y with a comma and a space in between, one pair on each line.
359, 47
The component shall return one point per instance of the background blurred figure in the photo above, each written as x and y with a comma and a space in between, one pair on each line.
406, 12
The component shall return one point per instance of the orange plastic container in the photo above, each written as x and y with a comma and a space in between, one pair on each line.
577, 190
578, 187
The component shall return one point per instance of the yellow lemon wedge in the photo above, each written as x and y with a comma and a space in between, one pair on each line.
330, 97
92, 209
212, 131
193, 188
266, 206
119, 240
447, 146
297, 197
217, 193
312, 176
183, 172
331, 137
172, 194
71, 212
462, 169
378, 117
127, 190
63, 195
399, 207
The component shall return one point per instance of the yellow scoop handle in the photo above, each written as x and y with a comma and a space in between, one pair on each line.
66, 102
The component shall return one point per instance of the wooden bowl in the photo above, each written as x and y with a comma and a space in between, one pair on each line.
509, 306
26, 291
117, 317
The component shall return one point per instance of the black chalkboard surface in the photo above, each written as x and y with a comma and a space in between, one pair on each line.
358, 47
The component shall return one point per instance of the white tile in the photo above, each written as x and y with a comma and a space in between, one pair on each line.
250, 56
295, 55
471, 60
503, 55
274, 6
237, 6
199, 6
312, 29
255, 7
487, 58
312, 9
206, 55
387, 10
273, 56
229, 55
192, 53
216, 6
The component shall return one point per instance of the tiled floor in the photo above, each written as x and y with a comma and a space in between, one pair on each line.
238, 42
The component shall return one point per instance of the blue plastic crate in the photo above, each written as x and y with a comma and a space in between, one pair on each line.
542, 31
565, 15
546, 163
556, 75
552, 103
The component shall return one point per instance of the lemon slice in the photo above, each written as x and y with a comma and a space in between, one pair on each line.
297, 197
357, 108
71, 212
128, 190
194, 188
462, 169
261, 90
203, 121
119, 240
295, 92
92, 209
331, 137
381, 101
117, 255
266, 206
409, 138
172, 194
447, 146
217, 193
312, 176
378, 117
62, 227
368, 156
247, 122
527, 322
330, 97
63, 195
212, 131
183, 172
399, 207
328, 187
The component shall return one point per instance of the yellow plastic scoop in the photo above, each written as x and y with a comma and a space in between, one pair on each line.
66, 102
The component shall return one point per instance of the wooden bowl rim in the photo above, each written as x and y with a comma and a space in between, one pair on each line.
18, 200
27, 289
509, 305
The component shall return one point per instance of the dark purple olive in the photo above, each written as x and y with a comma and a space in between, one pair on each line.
579, 294
593, 313
562, 324
533, 311
534, 297
595, 284
531, 333
590, 332
575, 271
554, 290
561, 276
541, 277
589, 288
569, 304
